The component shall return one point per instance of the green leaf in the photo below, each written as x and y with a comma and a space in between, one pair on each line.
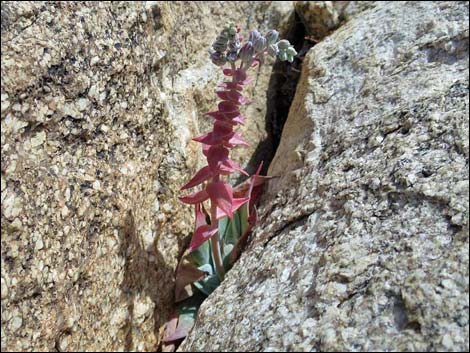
233, 229
207, 268
202, 255
223, 225
226, 257
209, 283
244, 215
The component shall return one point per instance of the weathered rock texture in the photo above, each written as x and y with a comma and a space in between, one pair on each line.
363, 242
99, 102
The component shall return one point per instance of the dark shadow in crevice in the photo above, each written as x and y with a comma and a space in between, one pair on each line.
281, 92
145, 275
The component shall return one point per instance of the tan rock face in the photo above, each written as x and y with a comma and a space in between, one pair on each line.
363, 242
98, 104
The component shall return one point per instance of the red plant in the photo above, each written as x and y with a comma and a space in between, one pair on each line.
232, 213
216, 144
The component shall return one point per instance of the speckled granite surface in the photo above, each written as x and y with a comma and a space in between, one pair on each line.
363, 242
98, 103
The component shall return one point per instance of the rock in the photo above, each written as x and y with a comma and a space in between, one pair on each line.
15, 323
319, 17
4, 289
363, 239
99, 105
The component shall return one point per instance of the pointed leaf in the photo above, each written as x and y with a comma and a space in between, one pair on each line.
196, 197
185, 275
205, 149
171, 325
228, 107
202, 234
220, 194
231, 85
237, 203
206, 139
240, 120
216, 155
202, 175
202, 138
236, 140
200, 214
232, 96
229, 118
229, 166
222, 129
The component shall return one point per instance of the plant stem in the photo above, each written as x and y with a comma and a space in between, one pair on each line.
215, 242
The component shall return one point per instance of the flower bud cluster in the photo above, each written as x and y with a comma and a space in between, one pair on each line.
286, 51
282, 49
226, 46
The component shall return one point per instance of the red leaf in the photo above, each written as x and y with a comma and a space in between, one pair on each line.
215, 156
202, 138
180, 332
185, 275
170, 327
201, 234
236, 140
200, 216
237, 203
239, 120
232, 96
229, 118
227, 107
207, 139
201, 176
231, 140
231, 85
256, 181
221, 129
255, 177
229, 166
196, 197
240, 75
220, 194
205, 149
228, 72
231, 115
